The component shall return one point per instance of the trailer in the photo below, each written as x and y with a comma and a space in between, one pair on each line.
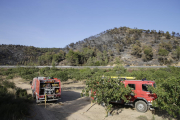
46, 89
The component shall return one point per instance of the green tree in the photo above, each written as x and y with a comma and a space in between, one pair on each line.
105, 90
90, 62
148, 54
168, 97
173, 33
167, 46
176, 53
175, 44
72, 57
136, 50
163, 53
168, 36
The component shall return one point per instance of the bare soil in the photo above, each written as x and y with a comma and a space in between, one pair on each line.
72, 106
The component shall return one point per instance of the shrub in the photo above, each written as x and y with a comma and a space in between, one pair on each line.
21, 93
106, 90
12, 108
136, 50
3, 90
168, 95
85, 73
8, 84
119, 69
148, 54
10, 77
62, 75
43, 71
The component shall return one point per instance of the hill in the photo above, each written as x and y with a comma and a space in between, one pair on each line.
130, 46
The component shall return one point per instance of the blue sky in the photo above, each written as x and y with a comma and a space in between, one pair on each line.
57, 23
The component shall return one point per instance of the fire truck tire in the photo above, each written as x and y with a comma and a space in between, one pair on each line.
33, 96
141, 106
37, 101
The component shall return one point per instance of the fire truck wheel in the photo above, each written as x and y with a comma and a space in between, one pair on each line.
37, 101
33, 96
141, 106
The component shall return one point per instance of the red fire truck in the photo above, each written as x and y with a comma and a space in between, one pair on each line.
46, 89
142, 99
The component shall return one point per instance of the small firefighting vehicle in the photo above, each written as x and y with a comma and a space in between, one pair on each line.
46, 89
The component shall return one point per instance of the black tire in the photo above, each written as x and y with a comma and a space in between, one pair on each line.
37, 101
33, 96
141, 106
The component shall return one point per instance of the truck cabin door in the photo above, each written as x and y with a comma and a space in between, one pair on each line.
144, 92
134, 89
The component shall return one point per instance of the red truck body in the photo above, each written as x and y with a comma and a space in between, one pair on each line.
142, 99
45, 86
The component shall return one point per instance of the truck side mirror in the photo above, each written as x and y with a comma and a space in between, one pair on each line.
132, 94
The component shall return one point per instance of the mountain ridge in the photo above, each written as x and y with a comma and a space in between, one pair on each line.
130, 46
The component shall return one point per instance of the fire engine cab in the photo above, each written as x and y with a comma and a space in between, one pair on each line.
142, 99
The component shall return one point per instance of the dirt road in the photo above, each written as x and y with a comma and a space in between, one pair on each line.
72, 106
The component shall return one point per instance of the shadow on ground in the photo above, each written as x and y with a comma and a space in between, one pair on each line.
66, 107
118, 108
164, 114
73, 88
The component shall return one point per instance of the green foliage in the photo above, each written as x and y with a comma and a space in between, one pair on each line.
119, 69
10, 76
13, 106
62, 75
99, 59
168, 95
117, 61
28, 73
167, 80
8, 71
49, 57
136, 50
148, 54
119, 47
167, 46
8, 84
21, 93
163, 52
85, 73
53, 64
106, 90
44, 71
176, 53
168, 36
73, 57
3, 90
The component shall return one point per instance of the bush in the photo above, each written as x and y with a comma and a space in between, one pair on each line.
12, 107
43, 71
62, 75
10, 77
163, 52
85, 73
8, 84
21, 93
168, 95
106, 90
148, 54
119, 69
3, 90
